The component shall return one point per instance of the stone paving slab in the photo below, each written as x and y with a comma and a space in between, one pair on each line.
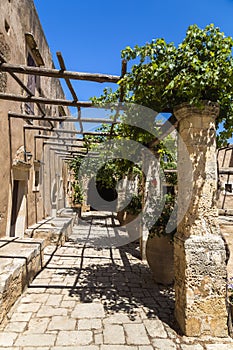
93, 298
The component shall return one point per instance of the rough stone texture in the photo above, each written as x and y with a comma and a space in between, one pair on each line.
74, 338
7, 339
162, 344
16, 271
192, 347
89, 310
114, 334
200, 269
36, 339
62, 323
136, 334
89, 324
113, 284
155, 328
54, 231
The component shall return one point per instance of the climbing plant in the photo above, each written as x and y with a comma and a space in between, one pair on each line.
164, 75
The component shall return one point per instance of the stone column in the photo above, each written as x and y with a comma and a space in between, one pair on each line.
151, 190
200, 268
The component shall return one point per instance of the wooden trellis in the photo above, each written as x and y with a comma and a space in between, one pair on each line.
67, 76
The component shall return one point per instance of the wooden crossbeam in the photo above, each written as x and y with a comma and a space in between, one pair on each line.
55, 73
63, 118
164, 130
123, 72
21, 84
70, 87
63, 145
65, 151
57, 138
57, 102
64, 131
67, 80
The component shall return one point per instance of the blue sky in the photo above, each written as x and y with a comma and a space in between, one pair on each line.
91, 34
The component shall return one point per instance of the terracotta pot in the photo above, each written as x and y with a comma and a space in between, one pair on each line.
160, 257
132, 229
78, 209
230, 318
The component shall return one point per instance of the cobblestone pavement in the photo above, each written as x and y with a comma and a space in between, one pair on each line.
94, 298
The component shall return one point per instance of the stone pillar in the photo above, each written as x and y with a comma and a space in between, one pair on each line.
200, 268
151, 190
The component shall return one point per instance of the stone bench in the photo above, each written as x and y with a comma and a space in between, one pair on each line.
54, 231
20, 261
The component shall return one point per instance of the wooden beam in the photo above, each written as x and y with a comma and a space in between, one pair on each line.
66, 151
67, 80
165, 130
63, 145
21, 84
123, 72
57, 138
122, 92
57, 102
70, 87
225, 171
63, 118
55, 73
64, 131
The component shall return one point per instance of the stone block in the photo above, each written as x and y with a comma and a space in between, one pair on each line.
31, 340
155, 328
88, 310
55, 231
20, 261
136, 334
200, 285
114, 334
71, 338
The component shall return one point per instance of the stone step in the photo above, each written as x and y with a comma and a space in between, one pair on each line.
55, 231
20, 261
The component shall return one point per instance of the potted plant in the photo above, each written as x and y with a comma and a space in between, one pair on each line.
77, 197
159, 246
230, 305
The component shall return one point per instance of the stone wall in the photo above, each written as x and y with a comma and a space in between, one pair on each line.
225, 165
17, 18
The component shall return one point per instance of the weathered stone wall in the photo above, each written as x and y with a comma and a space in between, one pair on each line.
17, 18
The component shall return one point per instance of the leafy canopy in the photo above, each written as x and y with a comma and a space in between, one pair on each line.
164, 76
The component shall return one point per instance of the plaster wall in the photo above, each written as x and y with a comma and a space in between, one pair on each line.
17, 18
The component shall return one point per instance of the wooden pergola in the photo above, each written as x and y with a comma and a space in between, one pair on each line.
27, 96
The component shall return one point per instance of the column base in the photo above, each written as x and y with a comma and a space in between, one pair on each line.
200, 285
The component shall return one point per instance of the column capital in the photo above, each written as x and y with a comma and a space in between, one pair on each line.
207, 108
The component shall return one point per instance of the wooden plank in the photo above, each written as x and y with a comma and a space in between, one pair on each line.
63, 145
70, 87
57, 138
64, 131
57, 102
170, 125
67, 80
225, 171
63, 118
21, 84
55, 73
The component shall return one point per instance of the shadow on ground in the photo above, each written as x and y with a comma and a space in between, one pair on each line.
124, 286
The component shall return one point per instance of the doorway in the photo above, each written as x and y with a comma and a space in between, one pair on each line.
18, 211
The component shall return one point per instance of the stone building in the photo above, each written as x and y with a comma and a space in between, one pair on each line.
32, 174
225, 169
